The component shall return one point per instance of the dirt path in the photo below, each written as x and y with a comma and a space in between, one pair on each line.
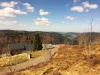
45, 57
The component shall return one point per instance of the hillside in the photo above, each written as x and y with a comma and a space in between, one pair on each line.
69, 60
25, 37
84, 38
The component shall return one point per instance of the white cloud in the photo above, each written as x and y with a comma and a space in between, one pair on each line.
70, 18
1, 17
8, 4
29, 7
87, 10
63, 22
42, 21
22, 24
77, 8
10, 23
67, 5
10, 12
86, 6
42, 12
76, 1
90, 6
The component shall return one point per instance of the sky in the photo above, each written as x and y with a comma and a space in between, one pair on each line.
50, 15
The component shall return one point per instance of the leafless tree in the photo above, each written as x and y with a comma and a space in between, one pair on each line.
87, 39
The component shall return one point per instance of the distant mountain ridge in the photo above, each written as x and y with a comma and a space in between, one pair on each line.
70, 35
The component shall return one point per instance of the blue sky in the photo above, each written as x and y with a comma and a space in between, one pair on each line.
50, 15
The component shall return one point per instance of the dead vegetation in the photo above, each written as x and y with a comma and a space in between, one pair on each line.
70, 60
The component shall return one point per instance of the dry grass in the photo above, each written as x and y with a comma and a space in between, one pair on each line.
13, 60
37, 53
16, 59
67, 61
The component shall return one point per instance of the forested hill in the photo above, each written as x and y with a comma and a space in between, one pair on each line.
25, 37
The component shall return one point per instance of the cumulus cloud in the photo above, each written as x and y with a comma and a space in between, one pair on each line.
29, 7
8, 4
90, 6
67, 5
76, 1
10, 23
77, 8
63, 22
70, 18
42, 21
1, 17
87, 10
85, 6
42, 12
10, 12
22, 24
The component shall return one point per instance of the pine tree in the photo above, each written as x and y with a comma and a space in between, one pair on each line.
37, 42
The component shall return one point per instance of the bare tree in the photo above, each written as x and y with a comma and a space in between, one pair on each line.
87, 39
90, 41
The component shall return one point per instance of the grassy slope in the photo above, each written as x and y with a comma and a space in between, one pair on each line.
17, 59
67, 61
13, 60
37, 53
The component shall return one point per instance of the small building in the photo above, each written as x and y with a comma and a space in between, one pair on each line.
55, 46
28, 47
16, 48
20, 48
47, 46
